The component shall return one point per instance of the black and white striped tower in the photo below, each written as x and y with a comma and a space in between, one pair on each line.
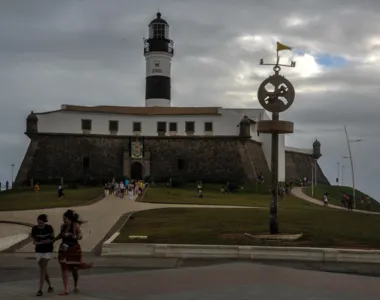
158, 51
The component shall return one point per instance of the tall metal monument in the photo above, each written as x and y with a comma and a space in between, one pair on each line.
275, 94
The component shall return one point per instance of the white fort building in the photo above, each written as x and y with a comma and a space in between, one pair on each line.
157, 121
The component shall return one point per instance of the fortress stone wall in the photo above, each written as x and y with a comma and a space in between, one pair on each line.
211, 159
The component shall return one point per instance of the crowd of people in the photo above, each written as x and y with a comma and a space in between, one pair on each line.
126, 187
347, 201
69, 253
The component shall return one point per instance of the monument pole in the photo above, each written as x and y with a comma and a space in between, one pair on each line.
275, 94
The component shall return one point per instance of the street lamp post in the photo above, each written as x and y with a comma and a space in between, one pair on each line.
352, 164
342, 174
312, 180
338, 176
12, 167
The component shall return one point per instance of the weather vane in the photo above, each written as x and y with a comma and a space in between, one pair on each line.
280, 47
276, 93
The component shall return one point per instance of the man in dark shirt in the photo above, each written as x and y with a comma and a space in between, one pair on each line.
43, 236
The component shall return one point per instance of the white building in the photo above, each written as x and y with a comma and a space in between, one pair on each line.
158, 117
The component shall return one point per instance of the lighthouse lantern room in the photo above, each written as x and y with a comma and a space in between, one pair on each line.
158, 51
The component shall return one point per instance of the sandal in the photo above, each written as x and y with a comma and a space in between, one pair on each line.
76, 291
63, 293
50, 289
39, 293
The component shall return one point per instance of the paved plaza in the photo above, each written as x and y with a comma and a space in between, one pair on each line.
225, 281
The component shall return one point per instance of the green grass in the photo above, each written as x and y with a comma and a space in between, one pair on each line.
320, 227
335, 196
213, 196
27, 199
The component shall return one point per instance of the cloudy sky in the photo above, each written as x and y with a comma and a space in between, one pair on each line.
91, 52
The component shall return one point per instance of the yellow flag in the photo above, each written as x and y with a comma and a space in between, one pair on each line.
281, 47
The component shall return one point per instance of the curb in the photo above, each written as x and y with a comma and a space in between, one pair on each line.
242, 252
117, 233
20, 244
112, 234
17, 223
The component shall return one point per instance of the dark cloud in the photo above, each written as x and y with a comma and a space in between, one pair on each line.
91, 52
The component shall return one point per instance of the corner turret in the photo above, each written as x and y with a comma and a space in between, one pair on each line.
31, 124
316, 149
245, 127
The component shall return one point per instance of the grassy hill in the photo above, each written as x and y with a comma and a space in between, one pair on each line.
336, 192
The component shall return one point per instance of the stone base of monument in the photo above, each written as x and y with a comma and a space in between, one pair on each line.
275, 237
275, 126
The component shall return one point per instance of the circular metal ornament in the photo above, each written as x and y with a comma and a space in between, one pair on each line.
276, 94
277, 69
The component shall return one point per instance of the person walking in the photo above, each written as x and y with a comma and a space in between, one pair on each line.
43, 237
70, 252
349, 202
326, 199
122, 189
106, 189
60, 191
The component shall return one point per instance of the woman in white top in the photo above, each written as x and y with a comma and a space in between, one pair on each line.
325, 199
43, 236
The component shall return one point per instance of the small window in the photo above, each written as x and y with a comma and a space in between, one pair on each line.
172, 126
161, 126
208, 126
86, 124
190, 126
86, 163
136, 126
159, 31
181, 164
113, 125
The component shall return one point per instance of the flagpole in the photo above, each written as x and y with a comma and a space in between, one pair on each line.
278, 58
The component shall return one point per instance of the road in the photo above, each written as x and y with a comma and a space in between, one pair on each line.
160, 278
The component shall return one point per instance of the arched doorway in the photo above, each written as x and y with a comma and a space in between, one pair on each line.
136, 171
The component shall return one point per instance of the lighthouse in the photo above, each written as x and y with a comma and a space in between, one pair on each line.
158, 52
